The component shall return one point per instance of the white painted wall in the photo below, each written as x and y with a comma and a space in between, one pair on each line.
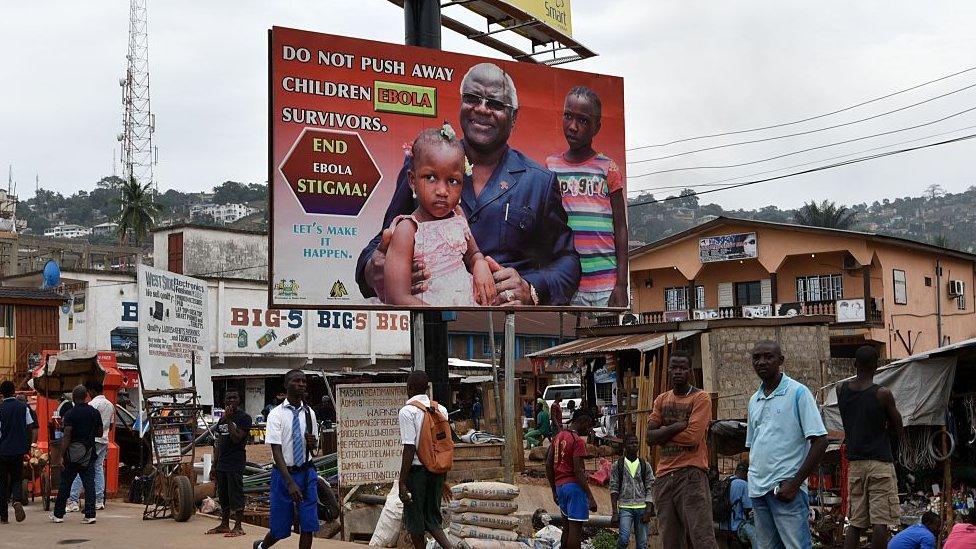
110, 303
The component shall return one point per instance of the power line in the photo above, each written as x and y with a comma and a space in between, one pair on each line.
803, 172
723, 166
719, 182
861, 104
817, 130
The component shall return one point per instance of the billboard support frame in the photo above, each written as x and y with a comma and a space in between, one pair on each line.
515, 19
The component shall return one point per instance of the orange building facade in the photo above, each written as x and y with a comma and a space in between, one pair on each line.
902, 296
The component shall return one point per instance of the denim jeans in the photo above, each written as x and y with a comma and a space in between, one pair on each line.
781, 525
631, 520
99, 464
67, 477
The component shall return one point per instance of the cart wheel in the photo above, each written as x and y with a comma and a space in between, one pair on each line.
182, 499
46, 492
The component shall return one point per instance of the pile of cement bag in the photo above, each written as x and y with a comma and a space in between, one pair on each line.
483, 516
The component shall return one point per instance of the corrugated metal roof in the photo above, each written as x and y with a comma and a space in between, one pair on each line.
13, 292
609, 344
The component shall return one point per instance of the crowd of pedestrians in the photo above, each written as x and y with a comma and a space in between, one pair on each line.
767, 502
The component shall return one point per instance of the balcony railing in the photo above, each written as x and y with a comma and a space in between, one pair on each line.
872, 317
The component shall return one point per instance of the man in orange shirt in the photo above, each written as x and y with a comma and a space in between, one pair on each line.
679, 425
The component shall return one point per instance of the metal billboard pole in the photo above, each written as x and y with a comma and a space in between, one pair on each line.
509, 415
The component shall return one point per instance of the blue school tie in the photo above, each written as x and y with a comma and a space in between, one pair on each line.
297, 439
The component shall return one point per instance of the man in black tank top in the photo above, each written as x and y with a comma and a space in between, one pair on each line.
871, 425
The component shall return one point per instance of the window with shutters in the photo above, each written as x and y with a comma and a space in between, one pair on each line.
748, 293
7, 321
819, 288
899, 286
700, 297
174, 248
676, 299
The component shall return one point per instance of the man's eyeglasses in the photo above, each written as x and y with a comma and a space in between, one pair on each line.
475, 100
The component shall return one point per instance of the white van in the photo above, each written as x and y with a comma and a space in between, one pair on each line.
568, 391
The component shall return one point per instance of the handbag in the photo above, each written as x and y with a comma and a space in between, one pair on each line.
80, 454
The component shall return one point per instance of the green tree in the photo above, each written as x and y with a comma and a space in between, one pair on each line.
137, 211
232, 192
941, 240
826, 214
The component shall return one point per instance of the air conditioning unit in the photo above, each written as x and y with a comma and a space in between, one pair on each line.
957, 287
628, 319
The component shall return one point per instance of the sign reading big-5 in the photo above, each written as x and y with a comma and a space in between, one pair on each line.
412, 178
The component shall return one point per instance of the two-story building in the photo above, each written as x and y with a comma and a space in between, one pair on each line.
900, 295
718, 288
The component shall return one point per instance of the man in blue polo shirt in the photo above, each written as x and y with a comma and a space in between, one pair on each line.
17, 431
787, 440
918, 536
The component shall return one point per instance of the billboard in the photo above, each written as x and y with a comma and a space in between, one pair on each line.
555, 13
174, 327
518, 198
727, 247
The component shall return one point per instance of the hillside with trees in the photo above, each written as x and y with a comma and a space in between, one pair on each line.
936, 217
112, 197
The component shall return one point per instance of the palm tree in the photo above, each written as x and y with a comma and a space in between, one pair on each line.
826, 214
137, 210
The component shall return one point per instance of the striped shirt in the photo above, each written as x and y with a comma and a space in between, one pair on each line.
586, 188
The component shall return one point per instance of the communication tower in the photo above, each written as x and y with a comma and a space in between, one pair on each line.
138, 122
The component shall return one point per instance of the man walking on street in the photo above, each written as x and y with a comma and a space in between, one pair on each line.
106, 410
230, 453
420, 488
556, 414
82, 426
291, 432
679, 425
787, 440
566, 473
631, 479
17, 431
871, 424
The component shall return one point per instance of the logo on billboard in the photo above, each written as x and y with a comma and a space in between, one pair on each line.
338, 290
404, 99
286, 288
330, 172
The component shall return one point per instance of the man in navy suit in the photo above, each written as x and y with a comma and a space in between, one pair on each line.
513, 206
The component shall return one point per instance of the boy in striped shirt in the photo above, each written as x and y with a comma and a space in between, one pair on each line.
593, 196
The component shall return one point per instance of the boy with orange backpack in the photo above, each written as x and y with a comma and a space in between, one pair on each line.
428, 453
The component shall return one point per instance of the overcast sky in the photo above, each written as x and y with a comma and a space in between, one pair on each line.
690, 68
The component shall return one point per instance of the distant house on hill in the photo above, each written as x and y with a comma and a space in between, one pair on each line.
67, 230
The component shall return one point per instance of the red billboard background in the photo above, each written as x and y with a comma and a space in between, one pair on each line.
318, 92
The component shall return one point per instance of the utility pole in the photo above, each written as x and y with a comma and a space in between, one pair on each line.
422, 27
938, 301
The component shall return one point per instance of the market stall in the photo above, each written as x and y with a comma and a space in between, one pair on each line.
57, 374
936, 395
